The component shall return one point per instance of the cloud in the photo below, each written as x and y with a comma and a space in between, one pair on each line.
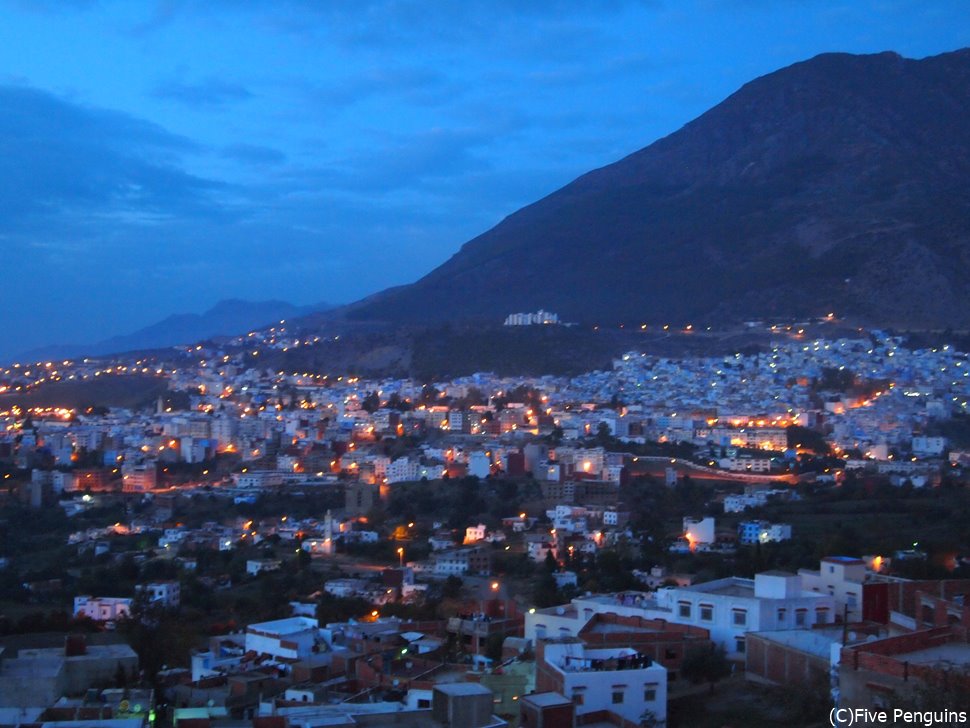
62, 161
209, 93
253, 154
422, 86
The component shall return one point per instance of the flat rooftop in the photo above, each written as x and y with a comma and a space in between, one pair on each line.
546, 700
285, 626
817, 642
463, 688
607, 628
956, 654
731, 586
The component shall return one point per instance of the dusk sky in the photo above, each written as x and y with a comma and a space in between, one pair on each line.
159, 157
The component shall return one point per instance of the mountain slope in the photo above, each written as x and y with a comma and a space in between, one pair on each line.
839, 183
226, 318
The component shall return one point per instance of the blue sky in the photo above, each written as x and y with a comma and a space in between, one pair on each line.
157, 157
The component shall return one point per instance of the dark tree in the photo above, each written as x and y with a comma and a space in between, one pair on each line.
706, 664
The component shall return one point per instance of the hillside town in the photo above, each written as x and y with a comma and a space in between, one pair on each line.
303, 549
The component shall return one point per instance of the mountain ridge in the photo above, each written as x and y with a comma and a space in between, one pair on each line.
228, 317
808, 189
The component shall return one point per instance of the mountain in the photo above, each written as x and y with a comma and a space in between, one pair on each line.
841, 183
226, 318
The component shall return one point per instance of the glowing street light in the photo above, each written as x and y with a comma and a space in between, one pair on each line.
400, 555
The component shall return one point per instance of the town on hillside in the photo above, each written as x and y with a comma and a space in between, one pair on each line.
756, 538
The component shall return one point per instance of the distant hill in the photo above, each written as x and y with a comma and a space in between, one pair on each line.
841, 183
226, 318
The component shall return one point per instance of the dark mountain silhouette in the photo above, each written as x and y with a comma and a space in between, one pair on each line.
840, 183
226, 318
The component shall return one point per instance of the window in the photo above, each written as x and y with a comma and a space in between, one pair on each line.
740, 617
781, 615
684, 609
577, 698
739, 645
707, 612
423, 703
650, 692
800, 617
821, 616
617, 697
670, 653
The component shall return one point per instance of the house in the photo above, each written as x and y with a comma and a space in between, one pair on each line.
884, 674
102, 609
620, 680
731, 607
752, 532
293, 638
258, 566
165, 594
459, 561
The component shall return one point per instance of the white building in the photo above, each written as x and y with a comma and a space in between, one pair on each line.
727, 608
730, 607
923, 445
752, 532
618, 679
840, 577
479, 465
460, 561
258, 566
699, 531
102, 609
287, 639
530, 319
165, 594
746, 464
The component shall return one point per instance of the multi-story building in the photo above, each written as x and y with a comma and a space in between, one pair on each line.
139, 478
616, 679
165, 594
752, 532
102, 609
467, 560
292, 638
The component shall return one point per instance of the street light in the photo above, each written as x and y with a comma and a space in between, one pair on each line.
400, 555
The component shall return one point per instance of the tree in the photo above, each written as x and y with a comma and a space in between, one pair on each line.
603, 435
545, 594
705, 664
452, 587
371, 403
493, 647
